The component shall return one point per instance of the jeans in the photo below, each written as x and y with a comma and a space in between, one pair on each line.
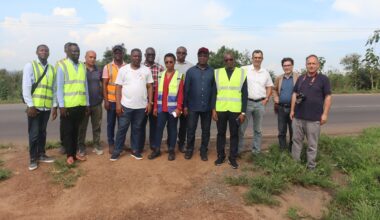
135, 118
152, 130
111, 122
284, 122
182, 130
312, 130
162, 119
192, 122
255, 111
96, 119
223, 119
70, 126
37, 134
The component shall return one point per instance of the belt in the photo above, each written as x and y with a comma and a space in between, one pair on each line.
284, 105
256, 100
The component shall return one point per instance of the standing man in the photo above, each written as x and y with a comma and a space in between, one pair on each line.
259, 90
282, 95
94, 83
110, 73
155, 69
182, 66
134, 84
199, 85
72, 95
311, 101
38, 91
229, 106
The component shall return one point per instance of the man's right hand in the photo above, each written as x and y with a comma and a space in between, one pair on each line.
119, 110
106, 105
32, 112
291, 115
63, 112
185, 112
214, 115
155, 112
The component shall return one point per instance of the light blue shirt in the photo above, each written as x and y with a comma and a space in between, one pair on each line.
60, 84
27, 81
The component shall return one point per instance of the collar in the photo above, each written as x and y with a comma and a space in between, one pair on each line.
153, 65
207, 66
113, 63
290, 76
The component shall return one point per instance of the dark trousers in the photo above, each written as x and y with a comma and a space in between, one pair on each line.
37, 134
192, 122
152, 130
70, 126
223, 119
284, 123
182, 130
162, 119
135, 118
111, 123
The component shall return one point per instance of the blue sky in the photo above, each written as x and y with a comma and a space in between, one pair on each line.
295, 28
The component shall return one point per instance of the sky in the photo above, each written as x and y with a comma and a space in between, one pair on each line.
292, 28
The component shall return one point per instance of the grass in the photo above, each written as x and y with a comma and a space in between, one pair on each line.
65, 174
292, 214
4, 173
52, 145
6, 146
357, 157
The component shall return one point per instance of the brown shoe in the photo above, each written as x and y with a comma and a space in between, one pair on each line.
111, 147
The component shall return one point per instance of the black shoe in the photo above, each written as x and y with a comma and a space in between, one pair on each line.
33, 164
181, 148
111, 147
204, 157
171, 156
219, 161
233, 163
188, 155
154, 154
45, 159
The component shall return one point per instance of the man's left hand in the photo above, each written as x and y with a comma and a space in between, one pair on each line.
265, 101
148, 109
54, 114
241, 118
87, 111
323, 119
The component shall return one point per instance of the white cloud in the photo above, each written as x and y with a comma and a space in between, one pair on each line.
359, 8
66, 12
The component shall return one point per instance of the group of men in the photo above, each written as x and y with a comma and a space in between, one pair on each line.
138, 92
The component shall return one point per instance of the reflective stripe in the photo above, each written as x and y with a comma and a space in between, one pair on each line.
37, 69
42, 96
112, 84
109, 66
159, 102
44, 87
66, 76
75, 81
242, 78
217, 79
172, 103
228, 99
232, 88
111, 93
172, 94
74, 93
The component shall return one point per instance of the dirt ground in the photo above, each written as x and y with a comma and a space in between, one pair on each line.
131, 189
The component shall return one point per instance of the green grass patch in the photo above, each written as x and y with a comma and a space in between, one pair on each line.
6, 146
4, 173
65, 174
52, 145
292, 214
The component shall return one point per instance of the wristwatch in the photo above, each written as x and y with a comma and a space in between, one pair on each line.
243, 113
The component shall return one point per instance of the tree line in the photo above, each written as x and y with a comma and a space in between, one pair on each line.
361, 72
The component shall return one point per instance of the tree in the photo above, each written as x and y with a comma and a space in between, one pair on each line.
217, 59
352, 64
108, 57
371, 60
322, 62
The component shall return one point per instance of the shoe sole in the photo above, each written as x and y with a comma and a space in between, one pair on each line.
233, 167
44, 161
113, 160
136, 157
33, 168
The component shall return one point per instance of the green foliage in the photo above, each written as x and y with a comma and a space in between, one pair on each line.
10, 86
4, 173
108, 57
292, 213
52, 145
216, 60
65, 174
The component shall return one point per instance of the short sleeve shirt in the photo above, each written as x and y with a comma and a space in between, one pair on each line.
257, 82
133, 82
315, 92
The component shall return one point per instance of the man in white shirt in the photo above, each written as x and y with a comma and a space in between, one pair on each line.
134, 84
259, 90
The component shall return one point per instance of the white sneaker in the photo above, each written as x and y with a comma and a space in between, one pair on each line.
97, 152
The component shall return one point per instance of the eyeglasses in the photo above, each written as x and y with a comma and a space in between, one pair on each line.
287, 65
179, 52
167, 62
226, 60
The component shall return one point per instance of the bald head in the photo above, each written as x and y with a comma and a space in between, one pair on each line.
90, 58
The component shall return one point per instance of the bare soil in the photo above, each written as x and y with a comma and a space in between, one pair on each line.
131, 189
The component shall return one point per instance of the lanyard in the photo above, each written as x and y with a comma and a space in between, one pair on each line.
310, 83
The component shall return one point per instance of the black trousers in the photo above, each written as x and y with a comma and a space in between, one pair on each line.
192, 122
284, 122
70, 127
230, 118
182, 130
37, 134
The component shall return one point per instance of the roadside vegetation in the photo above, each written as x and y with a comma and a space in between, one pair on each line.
4, 173
270, 174
65, 174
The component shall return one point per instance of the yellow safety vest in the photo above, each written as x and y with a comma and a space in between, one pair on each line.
172, 90
74, 89
43, 94
228, 96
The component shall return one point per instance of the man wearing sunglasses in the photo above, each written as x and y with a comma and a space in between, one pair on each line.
311, 101
229, 106
182, 65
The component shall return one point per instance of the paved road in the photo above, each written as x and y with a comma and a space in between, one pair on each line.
349, 114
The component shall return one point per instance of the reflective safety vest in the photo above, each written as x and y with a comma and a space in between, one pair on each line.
228, 96
43, 94
172, 91
111, 87
74, 89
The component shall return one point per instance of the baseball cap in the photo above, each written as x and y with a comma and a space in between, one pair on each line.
203, 50
118, 47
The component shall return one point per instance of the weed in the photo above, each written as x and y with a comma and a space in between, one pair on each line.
292, 213
65, 174
6, 146
52, 145
5, 174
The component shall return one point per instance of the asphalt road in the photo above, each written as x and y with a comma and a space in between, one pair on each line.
349, 114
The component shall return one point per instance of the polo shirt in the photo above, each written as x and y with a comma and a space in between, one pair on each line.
257, 82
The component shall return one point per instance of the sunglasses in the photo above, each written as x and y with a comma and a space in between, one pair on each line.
226, 60
167, 62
